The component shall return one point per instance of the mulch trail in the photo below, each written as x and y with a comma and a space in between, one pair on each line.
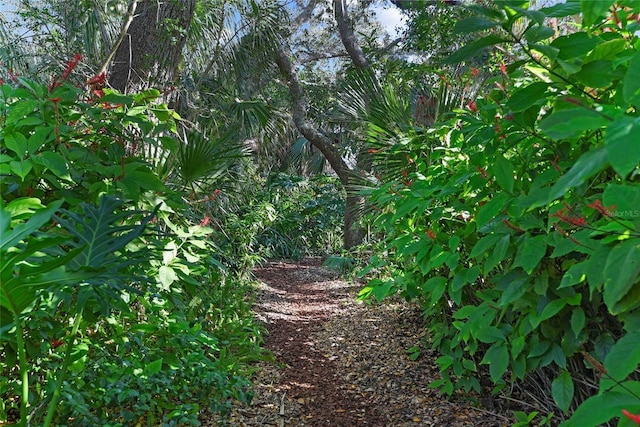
343, 363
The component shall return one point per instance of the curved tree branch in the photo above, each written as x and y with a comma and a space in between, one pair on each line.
299, 114
347, 36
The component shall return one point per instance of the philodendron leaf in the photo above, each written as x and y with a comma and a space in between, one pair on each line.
99, 232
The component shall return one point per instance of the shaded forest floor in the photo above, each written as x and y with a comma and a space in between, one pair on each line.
342, 363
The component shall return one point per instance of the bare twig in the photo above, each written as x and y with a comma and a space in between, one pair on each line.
123, 33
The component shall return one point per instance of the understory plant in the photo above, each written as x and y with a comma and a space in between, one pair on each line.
516, 219
113, 308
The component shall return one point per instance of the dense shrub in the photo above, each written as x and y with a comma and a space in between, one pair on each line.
112, 307
516, 222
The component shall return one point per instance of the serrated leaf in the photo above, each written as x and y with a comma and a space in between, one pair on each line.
18, 110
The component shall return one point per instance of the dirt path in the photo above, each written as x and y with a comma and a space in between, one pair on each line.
341, 363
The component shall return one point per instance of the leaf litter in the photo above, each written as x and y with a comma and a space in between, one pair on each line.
344, 363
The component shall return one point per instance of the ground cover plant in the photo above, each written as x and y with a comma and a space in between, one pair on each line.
515, 220
113, 307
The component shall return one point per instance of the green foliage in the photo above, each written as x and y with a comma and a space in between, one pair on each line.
112, 305
515, 224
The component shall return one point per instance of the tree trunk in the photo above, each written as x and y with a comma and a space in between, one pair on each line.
353, 233
151, 50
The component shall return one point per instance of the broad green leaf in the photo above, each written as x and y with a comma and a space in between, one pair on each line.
17, 143
595, 268
40, 136
114, 98
504, 173
473, 24
624, 356
560, 10
498, 254
621, 272
492, 208
473, 48
10, 238
576, 45
21, 168
598, 74
607, 51
382, 290
497, 356
435, 287
483, 245
166, 277
545, 49
530, 253
577, 321
153, 367
24, 205
593, 11
631, 82
55, 163
513, 285
20, 109
625, 198
562, 391
585, 167
574, 275
621, 143
490, 335
550, 310
599, 409
572, 122
525, 97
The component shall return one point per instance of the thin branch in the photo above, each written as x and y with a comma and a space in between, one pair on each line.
129, 19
